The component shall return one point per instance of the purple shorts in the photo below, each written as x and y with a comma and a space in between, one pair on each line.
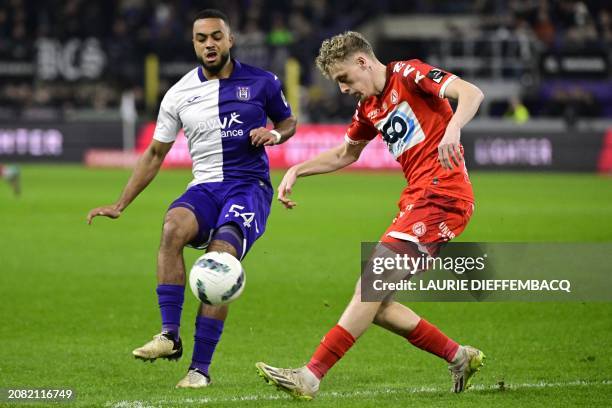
243, 203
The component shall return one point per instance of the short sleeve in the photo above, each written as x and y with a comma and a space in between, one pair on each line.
430, 79
360, 130
168, 123
277, 107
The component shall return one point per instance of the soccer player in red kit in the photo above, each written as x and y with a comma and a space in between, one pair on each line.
405, 102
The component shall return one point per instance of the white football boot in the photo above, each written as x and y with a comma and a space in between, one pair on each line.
163, 345
467, 362
300, 383
194, 379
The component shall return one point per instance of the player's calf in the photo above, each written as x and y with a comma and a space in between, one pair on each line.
358, 315
396, 318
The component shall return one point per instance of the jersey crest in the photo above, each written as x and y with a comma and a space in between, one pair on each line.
243, 93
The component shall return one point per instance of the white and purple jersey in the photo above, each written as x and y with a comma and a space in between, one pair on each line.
217, 117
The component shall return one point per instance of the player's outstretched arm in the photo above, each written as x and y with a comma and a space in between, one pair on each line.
469, 98
328, 161
146, 168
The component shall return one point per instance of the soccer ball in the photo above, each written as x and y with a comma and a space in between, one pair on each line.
217, 278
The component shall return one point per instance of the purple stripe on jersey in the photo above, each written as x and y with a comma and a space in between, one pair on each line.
244, 102
201, 74
242, 108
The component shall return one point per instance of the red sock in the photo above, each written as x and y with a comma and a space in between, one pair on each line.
428, 337
333, 346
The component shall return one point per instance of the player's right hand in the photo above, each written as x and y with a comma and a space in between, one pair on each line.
284, 189
449, 149
109, 211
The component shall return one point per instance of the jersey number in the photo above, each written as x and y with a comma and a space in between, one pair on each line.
247, 217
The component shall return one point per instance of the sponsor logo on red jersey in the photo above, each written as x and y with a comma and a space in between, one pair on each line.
394, 97
400, 129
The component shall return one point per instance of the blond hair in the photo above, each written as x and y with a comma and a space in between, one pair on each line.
339, 48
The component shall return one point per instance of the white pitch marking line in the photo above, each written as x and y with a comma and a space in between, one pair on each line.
350, 394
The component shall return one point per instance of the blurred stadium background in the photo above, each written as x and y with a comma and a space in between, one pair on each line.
80, 85
79, 75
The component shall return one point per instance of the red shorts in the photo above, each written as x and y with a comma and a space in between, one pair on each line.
430, 220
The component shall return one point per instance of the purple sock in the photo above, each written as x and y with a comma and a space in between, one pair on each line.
170, 299
207, 334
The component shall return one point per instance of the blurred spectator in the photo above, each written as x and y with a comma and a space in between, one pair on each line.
251, 46
605, 21
279, 35
572, 104
268, 32
517, 112
543, 27
582, 27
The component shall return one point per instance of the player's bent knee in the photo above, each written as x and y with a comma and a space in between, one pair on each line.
174, 234
381, 313
180, 227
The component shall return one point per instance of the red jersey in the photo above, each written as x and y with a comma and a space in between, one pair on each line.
411, 115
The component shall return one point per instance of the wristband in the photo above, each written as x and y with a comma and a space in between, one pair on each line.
277, 135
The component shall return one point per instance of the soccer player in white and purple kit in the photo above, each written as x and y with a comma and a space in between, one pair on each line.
222, 106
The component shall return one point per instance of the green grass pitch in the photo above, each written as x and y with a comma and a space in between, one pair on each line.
75, 300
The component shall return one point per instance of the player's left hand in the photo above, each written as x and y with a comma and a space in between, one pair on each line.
284, 189
110, 211
262, 137
449, 149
